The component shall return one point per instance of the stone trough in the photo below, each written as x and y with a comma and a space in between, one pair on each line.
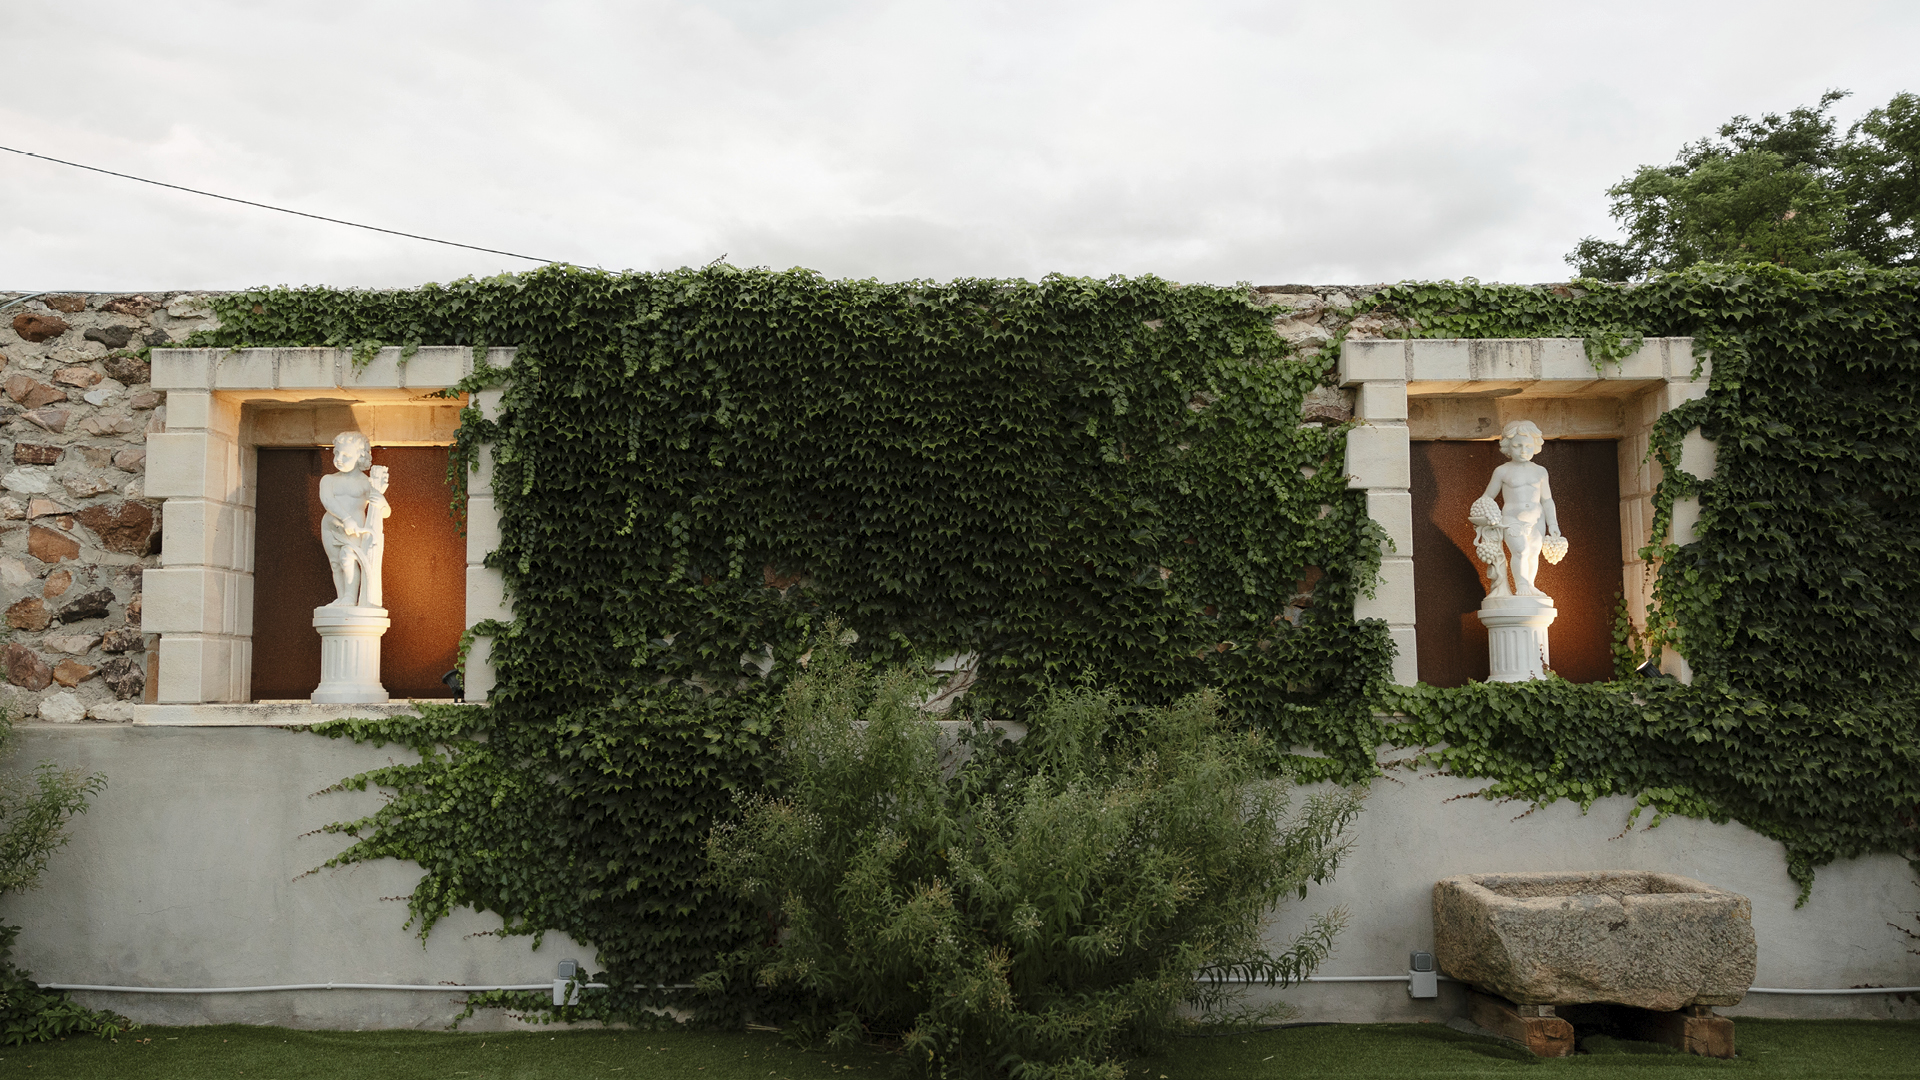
1655, 942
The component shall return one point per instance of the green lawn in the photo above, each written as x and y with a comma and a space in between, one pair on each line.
1768, 1048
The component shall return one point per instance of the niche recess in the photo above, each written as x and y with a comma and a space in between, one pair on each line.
1448, 582
426, 594
1463, 391
228, 411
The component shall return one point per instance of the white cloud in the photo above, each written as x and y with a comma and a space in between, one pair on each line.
1216, 140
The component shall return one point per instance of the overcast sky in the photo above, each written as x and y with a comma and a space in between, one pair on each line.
1212, 140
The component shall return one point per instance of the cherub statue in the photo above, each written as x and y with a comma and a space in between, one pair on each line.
1528, 503
354, 530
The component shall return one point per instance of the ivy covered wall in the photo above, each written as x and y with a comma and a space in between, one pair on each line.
1074, 479
1104, 480
1798, 606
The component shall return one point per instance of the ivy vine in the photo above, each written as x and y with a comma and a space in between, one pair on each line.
1798, 607
1106, 479
1070, 479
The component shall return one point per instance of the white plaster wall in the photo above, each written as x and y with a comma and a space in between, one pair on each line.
191, 869
1416, 829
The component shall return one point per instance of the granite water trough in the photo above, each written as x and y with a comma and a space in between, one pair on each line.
1650, 940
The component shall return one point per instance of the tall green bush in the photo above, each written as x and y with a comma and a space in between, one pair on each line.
1048, 908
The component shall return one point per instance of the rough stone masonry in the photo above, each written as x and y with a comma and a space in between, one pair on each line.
76, 530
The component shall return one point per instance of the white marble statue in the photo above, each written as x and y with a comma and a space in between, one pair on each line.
354, 530
1523, 522
1518, 529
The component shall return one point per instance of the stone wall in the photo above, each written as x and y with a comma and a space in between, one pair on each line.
1310, 316
128, 903
76, 529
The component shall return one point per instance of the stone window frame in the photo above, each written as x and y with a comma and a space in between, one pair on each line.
221, 406
1467, 388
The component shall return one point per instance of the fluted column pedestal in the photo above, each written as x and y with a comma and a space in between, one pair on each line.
1517, 636
350, 654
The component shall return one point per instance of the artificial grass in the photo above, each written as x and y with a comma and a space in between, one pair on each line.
1788, 1049
239, 1052
1796, 1049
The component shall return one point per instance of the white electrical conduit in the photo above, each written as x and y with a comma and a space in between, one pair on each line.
24, 299
688, 986
1445, 978
527, 986
306, 986
1847, 990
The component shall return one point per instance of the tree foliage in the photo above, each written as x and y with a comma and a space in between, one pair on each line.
1881, 172
1050, 906
1787, 190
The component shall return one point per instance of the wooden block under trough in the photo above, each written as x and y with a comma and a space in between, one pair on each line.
1532, 1026
1694, 1029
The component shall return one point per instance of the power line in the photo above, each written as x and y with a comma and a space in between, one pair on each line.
281, 209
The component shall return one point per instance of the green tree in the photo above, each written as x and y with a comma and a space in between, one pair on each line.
35, 808
1787, 190
1880, 170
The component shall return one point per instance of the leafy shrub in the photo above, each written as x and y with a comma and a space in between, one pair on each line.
34, 810
31, 1014
1048, 907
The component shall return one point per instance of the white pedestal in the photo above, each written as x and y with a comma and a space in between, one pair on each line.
1517, 636
350, 654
